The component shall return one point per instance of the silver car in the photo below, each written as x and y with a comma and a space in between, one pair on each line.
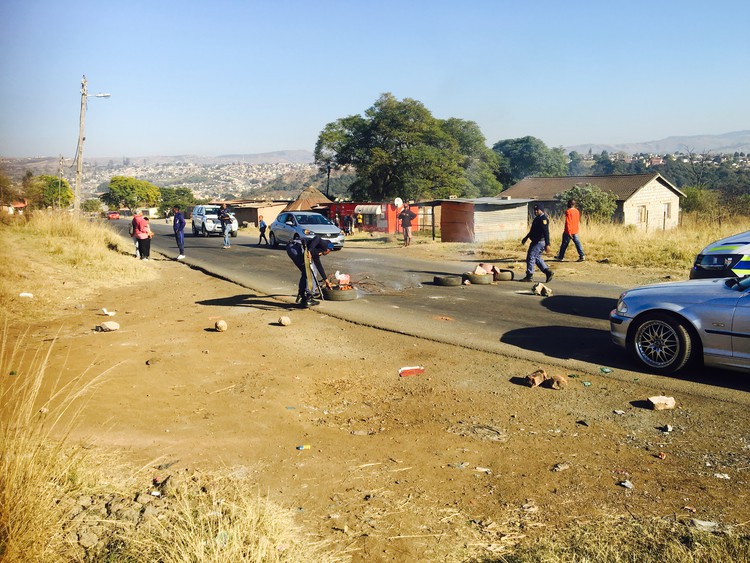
292, 225
669, 325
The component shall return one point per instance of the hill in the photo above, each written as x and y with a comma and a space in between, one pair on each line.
737, 141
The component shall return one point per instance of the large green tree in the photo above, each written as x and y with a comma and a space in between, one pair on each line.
130, 193
397, 149
480, 163
176, 196
594, 203
529, 156
49, 191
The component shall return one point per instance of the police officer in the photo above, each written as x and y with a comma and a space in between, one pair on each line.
316, 247
540, 243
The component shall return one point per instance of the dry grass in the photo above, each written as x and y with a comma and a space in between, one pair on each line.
60, 259
615, 539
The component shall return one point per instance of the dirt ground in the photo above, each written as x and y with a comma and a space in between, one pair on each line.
461, 460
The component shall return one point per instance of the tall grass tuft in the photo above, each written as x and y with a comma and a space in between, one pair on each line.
36, 469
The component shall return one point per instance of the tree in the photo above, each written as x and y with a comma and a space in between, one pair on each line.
576, 166
594, 204
481, 164
397, 149
91, 206
529, 156
603, 165
49, 191
183, 197
8, 192
130, 193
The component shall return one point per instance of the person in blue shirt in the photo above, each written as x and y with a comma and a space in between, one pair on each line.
262, 226
540, 243
178, 224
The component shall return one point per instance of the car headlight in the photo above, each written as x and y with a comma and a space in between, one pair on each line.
308, 232
209, 222
622, 307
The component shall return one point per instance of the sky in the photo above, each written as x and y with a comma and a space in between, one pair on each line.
252, 76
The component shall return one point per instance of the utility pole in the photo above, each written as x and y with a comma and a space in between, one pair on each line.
59, 181
79, 152
81, 138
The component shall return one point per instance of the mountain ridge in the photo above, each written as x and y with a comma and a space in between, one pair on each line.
735, 141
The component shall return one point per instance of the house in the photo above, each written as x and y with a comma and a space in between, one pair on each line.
647, 201
482, 219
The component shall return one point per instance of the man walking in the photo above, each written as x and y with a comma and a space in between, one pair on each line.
262, 226
406, 216
540, 243
572, 221
178, 224
226, 223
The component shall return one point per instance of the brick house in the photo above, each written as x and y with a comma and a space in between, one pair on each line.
647, 201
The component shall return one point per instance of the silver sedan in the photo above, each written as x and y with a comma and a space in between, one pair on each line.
670, 325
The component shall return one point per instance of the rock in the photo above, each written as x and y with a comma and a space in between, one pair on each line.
220, 326
558, 382
661, 402
541, 289
561, 467
87, 540
109, 326
537, 378
627, 484
285, 321
704, 525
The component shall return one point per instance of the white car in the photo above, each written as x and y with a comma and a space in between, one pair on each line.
292, 225
205, 220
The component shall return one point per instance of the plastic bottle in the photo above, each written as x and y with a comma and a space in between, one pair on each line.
304, 447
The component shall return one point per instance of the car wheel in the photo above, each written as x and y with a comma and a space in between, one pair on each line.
272, 240
662, 343
204, 232
233, 233
195, 230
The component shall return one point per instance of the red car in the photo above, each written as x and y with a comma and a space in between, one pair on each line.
113, 214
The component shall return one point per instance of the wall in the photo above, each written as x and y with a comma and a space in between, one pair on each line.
646, 208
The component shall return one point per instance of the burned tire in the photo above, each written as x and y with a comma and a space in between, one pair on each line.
478, 279
661, 343
504, 275
339, 294
448, 281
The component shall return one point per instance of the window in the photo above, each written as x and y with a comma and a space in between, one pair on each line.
667, 210
642, 214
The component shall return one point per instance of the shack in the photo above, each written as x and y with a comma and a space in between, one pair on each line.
482, 219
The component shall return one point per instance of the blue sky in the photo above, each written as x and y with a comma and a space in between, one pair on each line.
229, 77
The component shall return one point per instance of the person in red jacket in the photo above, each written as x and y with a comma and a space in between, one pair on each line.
572, 221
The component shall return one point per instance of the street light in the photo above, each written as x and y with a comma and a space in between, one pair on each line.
81, 138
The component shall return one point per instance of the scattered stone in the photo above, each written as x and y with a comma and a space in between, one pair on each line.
541, 289
666, 428
721, 476
220, 326
661, 455
558, 382
582, 423
661, 403
26, 295
285, 321
603, 261
619, 412
87, 540
705, 525
561, 466
627, 484
536, 378
108, 326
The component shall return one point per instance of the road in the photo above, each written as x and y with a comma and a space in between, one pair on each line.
569, 330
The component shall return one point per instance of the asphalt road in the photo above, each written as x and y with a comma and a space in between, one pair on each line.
568, 330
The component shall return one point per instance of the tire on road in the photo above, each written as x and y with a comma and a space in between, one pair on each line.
478, 279
272, 240
448, 281
339, 294
504, 275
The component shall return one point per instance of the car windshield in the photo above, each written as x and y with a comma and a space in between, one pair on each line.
211, 209
313, 219
741, 283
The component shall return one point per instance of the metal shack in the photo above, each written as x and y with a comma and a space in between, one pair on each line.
483, 218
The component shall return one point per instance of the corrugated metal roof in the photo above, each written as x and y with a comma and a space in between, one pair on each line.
622, 186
